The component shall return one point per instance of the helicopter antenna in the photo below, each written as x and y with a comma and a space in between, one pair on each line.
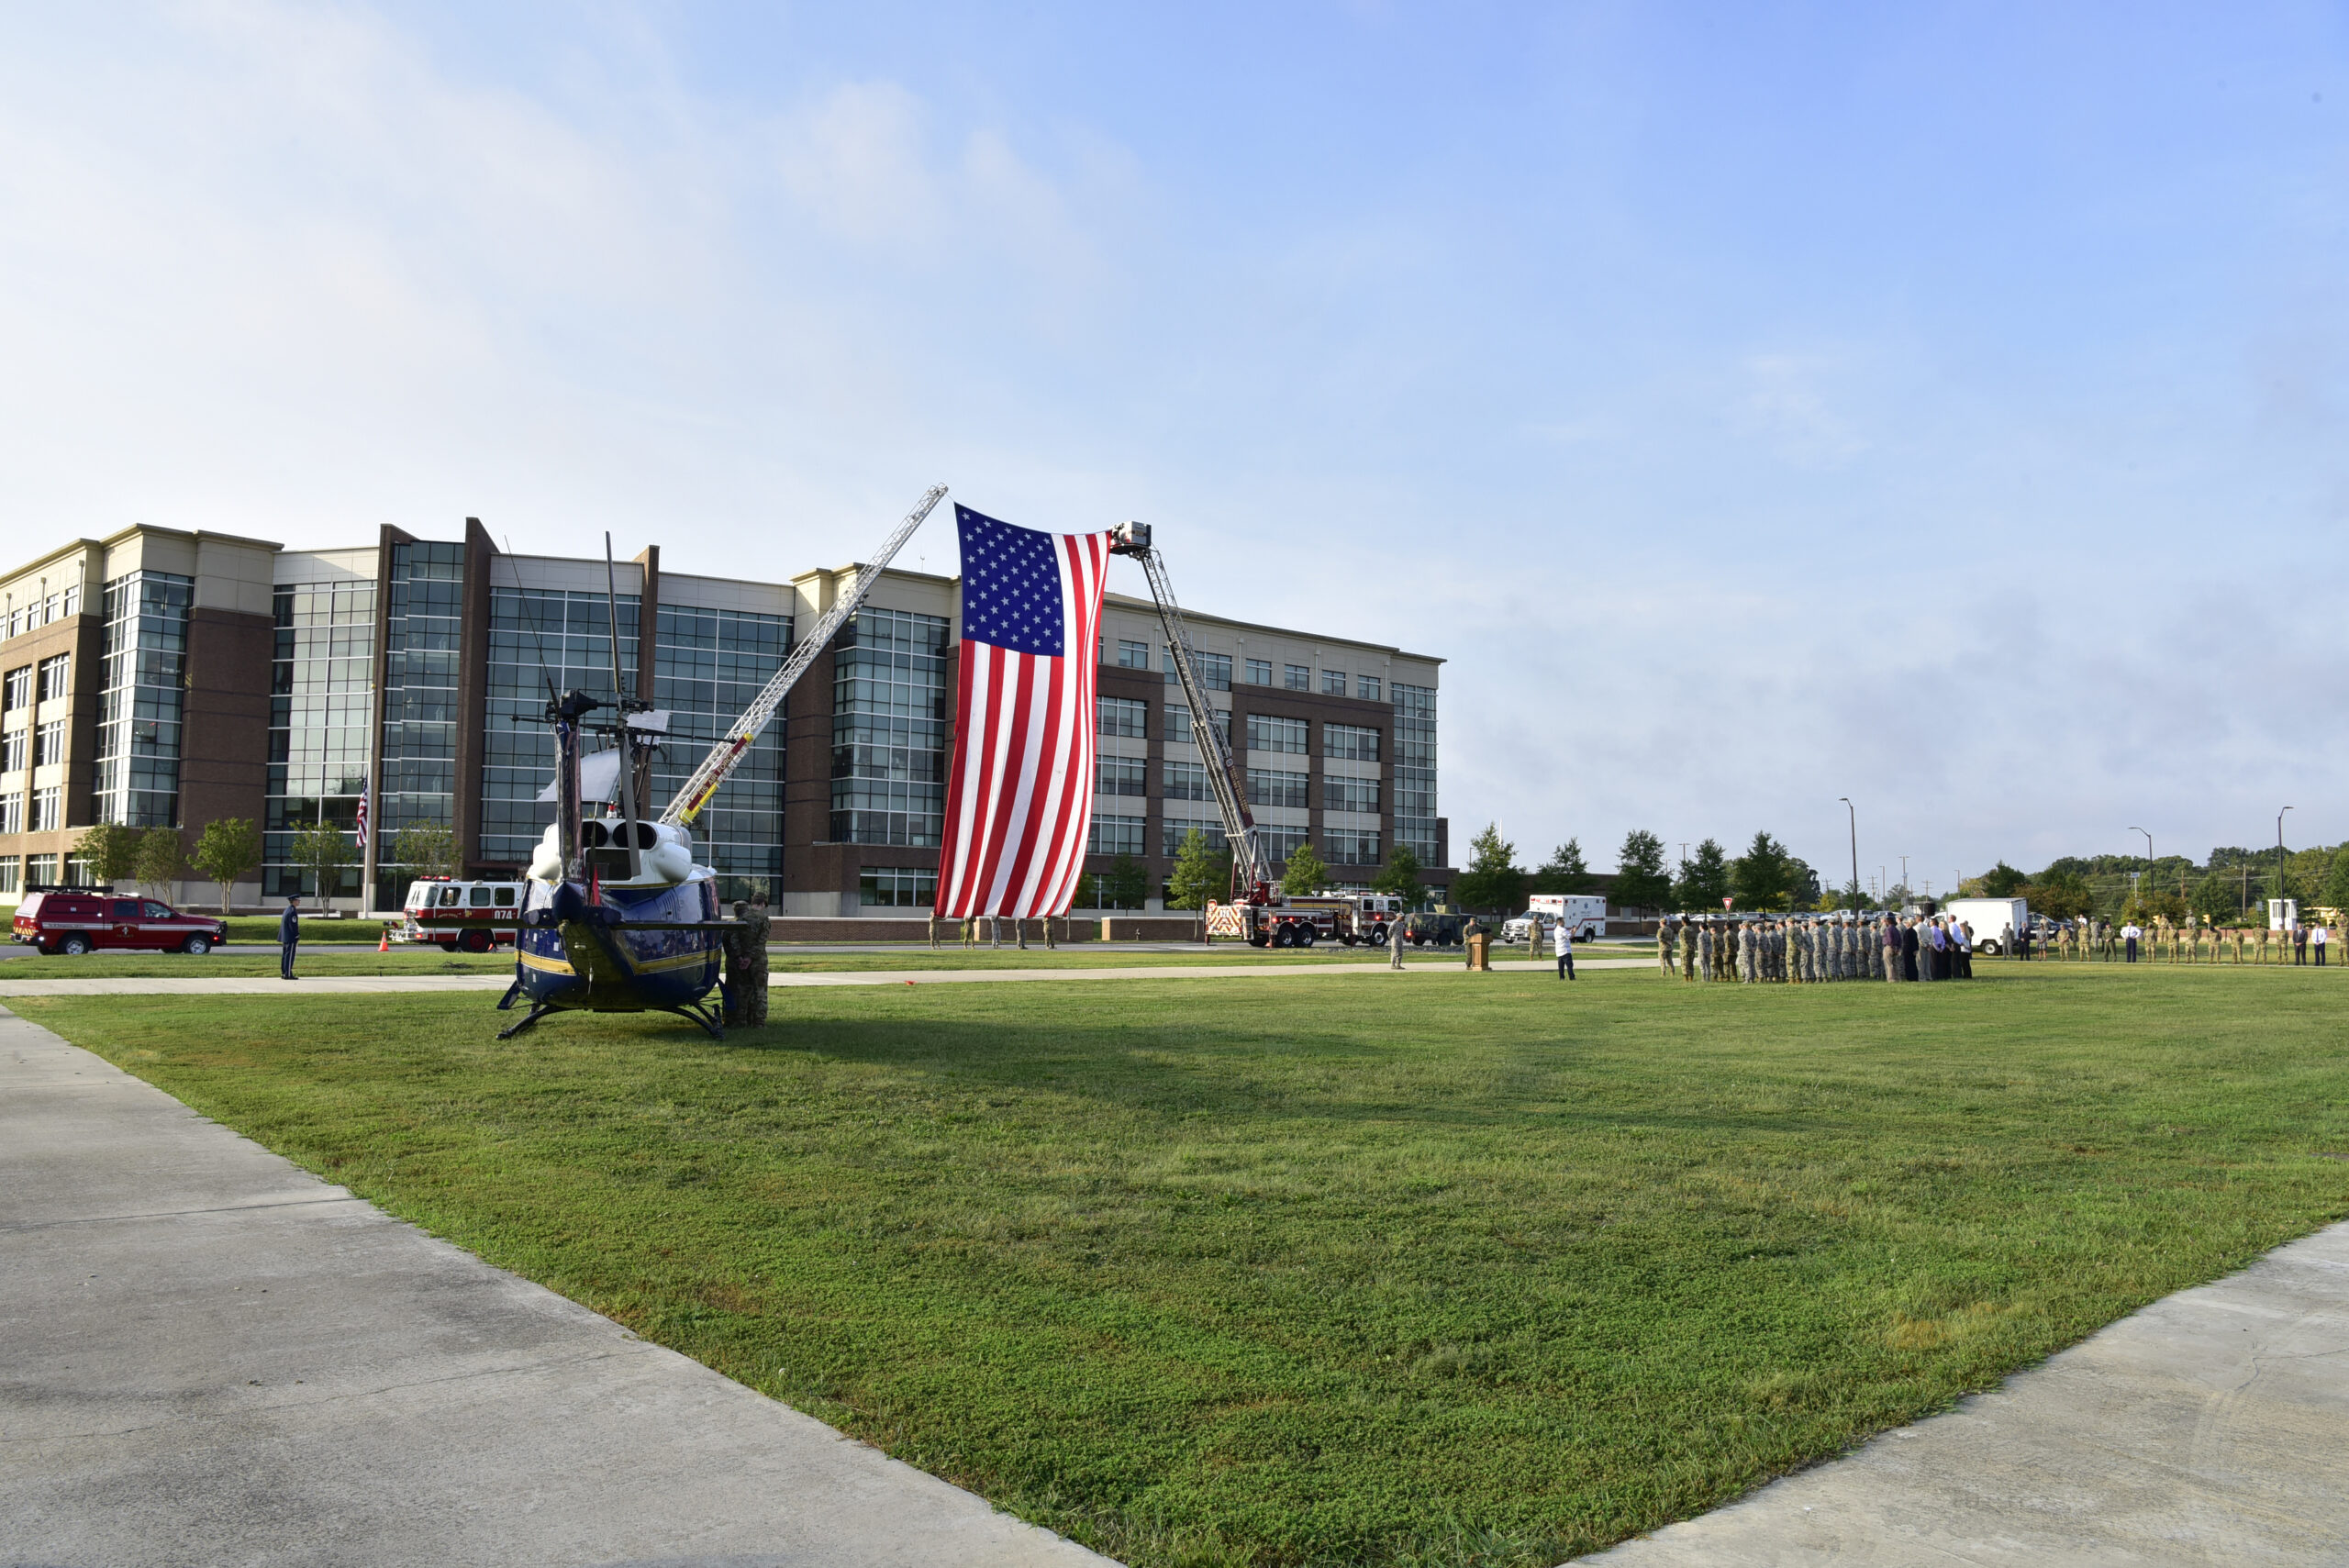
735, 744
621, 705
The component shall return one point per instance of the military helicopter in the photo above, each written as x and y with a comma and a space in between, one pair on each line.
617, 917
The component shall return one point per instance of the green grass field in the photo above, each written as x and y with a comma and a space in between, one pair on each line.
1484, 1270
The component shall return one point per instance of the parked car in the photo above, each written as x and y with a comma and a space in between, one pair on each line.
85, 919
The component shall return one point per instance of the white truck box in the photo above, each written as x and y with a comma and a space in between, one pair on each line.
1996, 921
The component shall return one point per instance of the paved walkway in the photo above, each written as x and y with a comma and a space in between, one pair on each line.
269, 985
2212, 1428
209, 1356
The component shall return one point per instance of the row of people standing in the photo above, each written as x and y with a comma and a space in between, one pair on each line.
1814, 950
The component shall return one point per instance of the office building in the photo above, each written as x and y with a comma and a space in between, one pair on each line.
160, 677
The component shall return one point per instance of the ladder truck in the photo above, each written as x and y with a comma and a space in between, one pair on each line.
1264, 914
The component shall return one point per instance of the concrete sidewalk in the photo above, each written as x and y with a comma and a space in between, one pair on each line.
269, 985
2212, 1428
211, 1357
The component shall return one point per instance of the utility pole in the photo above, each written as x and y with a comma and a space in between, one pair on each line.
1904, 874
1853, 812
2149, 854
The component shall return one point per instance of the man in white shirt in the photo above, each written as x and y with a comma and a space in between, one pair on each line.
1565, 937
2317, 941
2129, 935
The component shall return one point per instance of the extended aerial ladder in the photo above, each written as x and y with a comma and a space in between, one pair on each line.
1251, 867
735, 744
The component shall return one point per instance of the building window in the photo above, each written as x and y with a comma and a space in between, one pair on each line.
1120, 775
1260, 672
1123, 715
1097, 894
1348, 847
1333, 683
41, 870
889, 716
12, 811
10, 871
1296, 677
47, 816
1133, 655
1366, 688
1117, 835
1349, 795
416, 773
1215, 669
1350, 742
322, 680
1178, 724
16, 689
1415, 809
896, 887
142, 675
49, 744
56, 675
1268, 733
13, 746
1177, 830
1186, 781
1270, 786
1280, 842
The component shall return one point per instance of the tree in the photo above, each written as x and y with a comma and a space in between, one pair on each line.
1126, 885
227, 849
2001, 881
1201, 874
158, 858
2057, 897
1305, 873
1564, 871
112, 851
426, 849
1401, 878
1640, 879
1704, 879
322, 850
2217, 898
1494, 880
1762, 878
1803, 888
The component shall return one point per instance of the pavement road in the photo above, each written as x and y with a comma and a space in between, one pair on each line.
209, 1356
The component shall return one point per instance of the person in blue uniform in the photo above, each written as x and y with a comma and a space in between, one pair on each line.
289, 937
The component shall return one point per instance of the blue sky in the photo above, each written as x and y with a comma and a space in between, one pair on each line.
1941, 407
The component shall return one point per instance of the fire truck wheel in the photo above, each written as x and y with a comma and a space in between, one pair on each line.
475, 941
198, 945
1378, 936
1305, 936
1284, 937
74, 946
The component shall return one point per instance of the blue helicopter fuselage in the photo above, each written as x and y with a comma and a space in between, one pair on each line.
593, 953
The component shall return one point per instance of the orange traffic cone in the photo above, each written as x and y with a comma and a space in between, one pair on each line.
385, 945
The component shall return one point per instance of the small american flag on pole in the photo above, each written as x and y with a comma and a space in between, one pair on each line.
1019, 784
366, 790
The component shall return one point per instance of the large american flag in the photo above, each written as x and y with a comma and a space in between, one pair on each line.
1020, 784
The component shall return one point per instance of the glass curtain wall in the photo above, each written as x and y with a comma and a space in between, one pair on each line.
321, 687
537, 635
889, 720
709, 666
421, 640
142, 674
1415, 815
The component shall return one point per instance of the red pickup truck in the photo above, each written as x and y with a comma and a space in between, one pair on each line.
85, 919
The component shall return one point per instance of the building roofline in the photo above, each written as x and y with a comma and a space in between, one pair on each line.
1133, 601
75, 546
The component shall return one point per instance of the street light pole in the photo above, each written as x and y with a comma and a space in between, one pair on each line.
1854, 813
1904, 875
2149, 854
2279, 852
